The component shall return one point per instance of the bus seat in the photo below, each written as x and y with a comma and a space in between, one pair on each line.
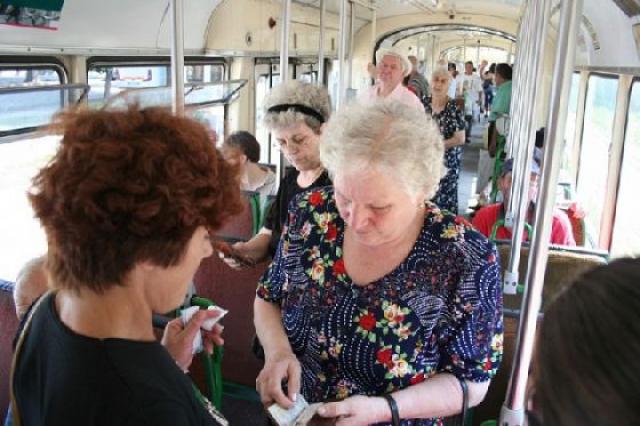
268, 202
8, 328
242, 225
235, 291
564, 265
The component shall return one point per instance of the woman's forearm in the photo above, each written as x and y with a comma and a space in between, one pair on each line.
269, 328
456, 140
438, 396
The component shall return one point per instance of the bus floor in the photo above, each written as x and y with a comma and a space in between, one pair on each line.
467, 196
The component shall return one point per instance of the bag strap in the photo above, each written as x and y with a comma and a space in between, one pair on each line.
465, 402
14, 362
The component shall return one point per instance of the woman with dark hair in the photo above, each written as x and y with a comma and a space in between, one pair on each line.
588, 355
243, 149
127, 204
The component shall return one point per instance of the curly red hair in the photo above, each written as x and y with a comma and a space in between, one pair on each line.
126, 187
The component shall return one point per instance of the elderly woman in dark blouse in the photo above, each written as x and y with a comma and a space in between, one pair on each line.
376, 297
451, 122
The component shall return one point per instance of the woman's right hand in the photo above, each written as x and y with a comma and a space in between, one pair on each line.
278, 368
239, 255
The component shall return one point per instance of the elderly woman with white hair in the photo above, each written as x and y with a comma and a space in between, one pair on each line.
392, 66
451, 122
378, 302
295, 113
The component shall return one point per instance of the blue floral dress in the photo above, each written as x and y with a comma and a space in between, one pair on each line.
450, 120
440, 310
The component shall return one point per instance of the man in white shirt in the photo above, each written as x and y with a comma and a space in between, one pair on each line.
391, 68
472, 92
452, 92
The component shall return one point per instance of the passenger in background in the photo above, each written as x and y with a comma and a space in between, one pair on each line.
450, 120
31, 283
486, 218
453, 90
472, 92
376, 297
295, 113
126, 203
242, 148
500, 106
392, 66
587, 361
416, 81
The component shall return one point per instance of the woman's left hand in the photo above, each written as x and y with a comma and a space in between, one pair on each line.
357, 410
178, 339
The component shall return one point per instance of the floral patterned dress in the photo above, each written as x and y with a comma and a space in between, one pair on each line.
440, 310
450, 120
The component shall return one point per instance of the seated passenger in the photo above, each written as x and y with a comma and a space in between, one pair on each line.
587, 362
30, 284
243, 149
126, 203
486, 218
295, 113
377, 298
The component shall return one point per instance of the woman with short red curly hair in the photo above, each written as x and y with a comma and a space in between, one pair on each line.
127, 204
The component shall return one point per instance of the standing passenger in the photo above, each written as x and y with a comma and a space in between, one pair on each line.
127, 204
391, 68
377, 298
295, 113
449, 118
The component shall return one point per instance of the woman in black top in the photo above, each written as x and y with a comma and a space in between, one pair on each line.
127, 204
295, 113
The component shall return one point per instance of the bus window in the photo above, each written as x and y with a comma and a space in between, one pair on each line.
109, 80
626, 232
203, 73
29, 77
268, 154
23, 238
594, 152
570, 129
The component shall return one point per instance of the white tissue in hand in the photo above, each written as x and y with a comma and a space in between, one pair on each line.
209, 323
188, 313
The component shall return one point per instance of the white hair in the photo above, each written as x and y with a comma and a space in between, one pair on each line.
296, 92
441, 72
399, 140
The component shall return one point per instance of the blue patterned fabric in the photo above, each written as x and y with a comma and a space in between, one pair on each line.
440, 310
450, 120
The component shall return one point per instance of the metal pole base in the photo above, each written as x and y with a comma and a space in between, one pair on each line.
510, 282
509, 417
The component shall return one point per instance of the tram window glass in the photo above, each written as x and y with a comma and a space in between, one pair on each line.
23, 238
570, 129
626, 232
109, 80
29, 77
106, 81
212, 117
594, 152
268, 154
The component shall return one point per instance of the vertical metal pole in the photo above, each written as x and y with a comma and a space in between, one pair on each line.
177, 57
352, 32
323, 13
284, 42
373, 29
513, 410
526, 143
342, 47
